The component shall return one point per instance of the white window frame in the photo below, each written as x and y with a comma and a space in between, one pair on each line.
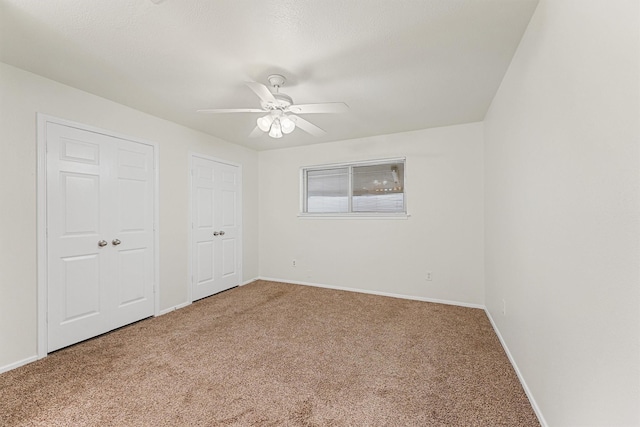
350, 214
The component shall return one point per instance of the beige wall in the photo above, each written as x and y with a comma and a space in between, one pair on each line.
22, 95
562, 211
444, 233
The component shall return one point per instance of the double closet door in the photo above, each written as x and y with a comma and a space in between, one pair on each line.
215, 226
100, 233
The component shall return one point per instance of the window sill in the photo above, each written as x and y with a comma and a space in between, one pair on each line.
353, 216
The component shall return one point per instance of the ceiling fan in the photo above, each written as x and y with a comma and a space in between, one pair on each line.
282, 114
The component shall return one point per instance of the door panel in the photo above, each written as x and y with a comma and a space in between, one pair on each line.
215, 227
204, 268
204, 201
131, 278
133, 200
229, 261
79, 151
81, 195
81, 291
228, 208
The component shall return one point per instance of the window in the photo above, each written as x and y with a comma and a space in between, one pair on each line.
358, 189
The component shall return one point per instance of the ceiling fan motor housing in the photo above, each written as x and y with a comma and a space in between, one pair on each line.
282, 102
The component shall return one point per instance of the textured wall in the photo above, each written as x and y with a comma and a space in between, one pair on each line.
562, 211
443, 234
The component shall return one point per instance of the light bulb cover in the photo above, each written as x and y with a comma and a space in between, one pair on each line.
276, 130
264, 123
287, 125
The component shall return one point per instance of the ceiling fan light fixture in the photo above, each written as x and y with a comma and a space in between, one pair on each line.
264, 123
287, 125
276, 130
282, 115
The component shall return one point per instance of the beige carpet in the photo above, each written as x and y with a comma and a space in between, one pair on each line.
273, 354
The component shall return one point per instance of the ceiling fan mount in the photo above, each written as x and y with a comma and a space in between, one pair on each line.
281, 112
276, 80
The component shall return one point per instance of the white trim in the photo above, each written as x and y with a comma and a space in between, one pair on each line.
156, 226
41, 235
532, 400
384, 294
41, 217
174, 308
304, 215
191, 156
17, 364
356, 163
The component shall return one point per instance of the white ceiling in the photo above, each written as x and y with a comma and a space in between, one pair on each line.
399, 64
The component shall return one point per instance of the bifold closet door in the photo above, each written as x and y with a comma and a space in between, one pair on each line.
100, 272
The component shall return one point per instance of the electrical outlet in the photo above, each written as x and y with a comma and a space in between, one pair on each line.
429, 276
293, 263
504, 307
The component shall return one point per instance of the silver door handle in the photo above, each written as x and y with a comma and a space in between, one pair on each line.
116, 242
222, 233
102, 243
215, 233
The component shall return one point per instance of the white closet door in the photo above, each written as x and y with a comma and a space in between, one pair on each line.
99, 189
216, 227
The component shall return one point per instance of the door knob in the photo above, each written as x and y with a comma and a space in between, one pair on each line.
222, 233
102, 243
215, 233
116, 242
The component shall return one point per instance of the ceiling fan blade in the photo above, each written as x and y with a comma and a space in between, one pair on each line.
327, 107
307, 126
232, 110
256, 132
262, 91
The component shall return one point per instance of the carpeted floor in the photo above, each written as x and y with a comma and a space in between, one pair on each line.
273, 354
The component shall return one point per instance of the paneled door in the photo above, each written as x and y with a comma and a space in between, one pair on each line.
100, 238
215, 226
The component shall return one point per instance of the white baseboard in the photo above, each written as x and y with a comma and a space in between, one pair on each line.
17, 364
174, 308
249, 281
532, 400
385, 294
